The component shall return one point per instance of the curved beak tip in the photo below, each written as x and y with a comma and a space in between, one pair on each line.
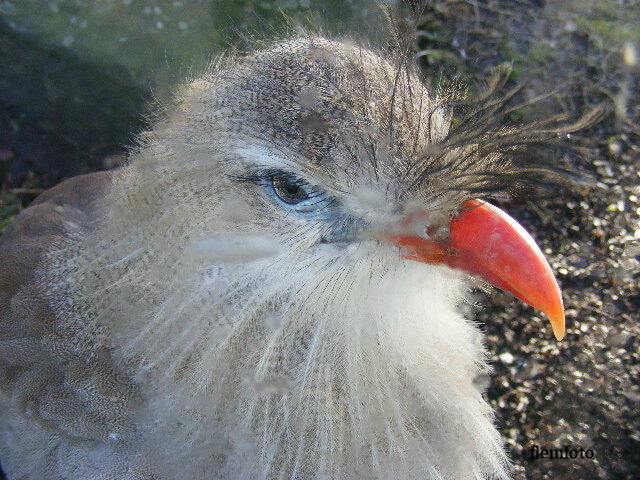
558, 325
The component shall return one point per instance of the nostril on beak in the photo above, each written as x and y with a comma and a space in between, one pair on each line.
437, 233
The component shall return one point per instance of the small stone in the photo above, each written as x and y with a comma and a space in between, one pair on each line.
615, 148
506, 357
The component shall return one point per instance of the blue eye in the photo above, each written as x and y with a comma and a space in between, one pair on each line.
296, 194
289, 190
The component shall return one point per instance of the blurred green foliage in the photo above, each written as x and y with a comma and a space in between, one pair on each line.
85, 69
159, 41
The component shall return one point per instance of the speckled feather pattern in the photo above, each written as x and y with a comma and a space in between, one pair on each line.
316, 361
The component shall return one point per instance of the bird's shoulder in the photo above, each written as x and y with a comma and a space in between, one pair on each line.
42, 381
67, 207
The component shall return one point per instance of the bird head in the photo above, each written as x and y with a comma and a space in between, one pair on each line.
284, 263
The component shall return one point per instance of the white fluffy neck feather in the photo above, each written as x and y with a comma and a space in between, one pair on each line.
351, 364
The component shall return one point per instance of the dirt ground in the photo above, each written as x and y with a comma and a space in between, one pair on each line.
583, 391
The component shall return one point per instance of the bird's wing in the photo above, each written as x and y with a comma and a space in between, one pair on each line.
46, 391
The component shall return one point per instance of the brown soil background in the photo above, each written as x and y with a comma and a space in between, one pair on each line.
584, 390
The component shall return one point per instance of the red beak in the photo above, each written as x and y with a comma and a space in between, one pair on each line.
486, 242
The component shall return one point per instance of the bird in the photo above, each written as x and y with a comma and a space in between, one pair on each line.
277, 283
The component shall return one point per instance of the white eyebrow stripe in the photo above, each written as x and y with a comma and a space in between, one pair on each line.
263, 156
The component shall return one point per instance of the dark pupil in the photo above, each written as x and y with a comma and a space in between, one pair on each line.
289, 191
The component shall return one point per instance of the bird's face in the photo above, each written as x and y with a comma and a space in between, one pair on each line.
323, 146
261, 247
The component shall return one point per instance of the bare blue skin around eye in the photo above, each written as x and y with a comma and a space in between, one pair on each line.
338, 226
317, 205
